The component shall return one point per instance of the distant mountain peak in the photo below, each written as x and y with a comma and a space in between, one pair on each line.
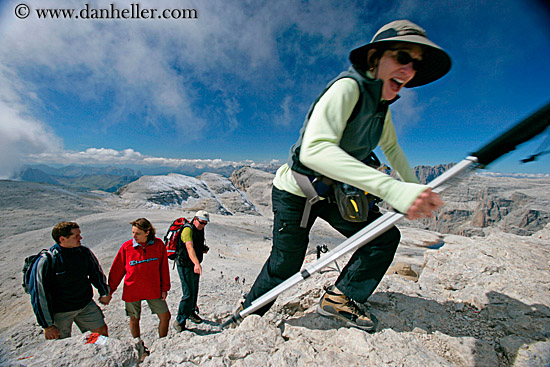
211, 191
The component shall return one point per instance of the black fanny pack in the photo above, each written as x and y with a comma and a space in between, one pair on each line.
353, 203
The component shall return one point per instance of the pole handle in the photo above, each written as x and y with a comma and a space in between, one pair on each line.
518, 134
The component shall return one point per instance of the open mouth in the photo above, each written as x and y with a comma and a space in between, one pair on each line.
396, 84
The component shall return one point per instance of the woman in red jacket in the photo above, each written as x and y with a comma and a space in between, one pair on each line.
143, 263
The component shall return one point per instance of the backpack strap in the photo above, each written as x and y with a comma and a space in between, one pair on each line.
181, 249
312, 196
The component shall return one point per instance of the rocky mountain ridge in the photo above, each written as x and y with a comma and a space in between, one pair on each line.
473, 204
477, 203
111, 178
470, 208
426, 174
209, 191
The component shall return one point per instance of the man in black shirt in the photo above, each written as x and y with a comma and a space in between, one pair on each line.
61, 286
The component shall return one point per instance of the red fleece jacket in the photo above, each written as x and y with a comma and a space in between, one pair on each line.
146, 270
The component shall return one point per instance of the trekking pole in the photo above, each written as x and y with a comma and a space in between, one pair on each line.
324, 249
508, 141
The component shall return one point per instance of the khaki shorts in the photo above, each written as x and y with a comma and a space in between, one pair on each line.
87, 319
157, 307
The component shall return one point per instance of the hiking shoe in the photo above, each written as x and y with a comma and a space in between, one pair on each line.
195, 318
178, 327
340, 307
143, 351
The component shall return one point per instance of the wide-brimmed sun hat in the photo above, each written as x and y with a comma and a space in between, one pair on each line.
435, 61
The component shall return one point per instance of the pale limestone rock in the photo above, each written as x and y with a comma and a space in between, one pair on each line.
75, 351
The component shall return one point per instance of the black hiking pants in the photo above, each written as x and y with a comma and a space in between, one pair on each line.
189, 292
360, 276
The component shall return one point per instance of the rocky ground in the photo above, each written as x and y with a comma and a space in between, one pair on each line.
479, 301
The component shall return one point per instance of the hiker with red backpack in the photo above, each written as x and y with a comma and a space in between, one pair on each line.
189, 255
143, 263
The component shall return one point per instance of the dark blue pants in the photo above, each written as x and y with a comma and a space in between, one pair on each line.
190, 291
360, 276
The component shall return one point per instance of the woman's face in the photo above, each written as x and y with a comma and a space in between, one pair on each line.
139, 235
393, 72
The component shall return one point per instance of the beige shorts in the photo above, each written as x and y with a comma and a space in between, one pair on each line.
87, 318
157, 307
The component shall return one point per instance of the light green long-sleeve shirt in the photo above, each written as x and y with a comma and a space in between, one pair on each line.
320, 151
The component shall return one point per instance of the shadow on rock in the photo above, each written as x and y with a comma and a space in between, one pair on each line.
211, 323
207, 327
505, 328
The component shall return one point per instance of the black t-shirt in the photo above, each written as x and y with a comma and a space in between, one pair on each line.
198, 246
69, 284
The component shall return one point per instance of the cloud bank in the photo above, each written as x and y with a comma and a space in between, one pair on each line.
129, 157
151, 75
21, 134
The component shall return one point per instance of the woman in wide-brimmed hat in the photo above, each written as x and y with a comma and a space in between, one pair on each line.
344, 125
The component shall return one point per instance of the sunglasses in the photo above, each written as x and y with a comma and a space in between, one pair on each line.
203, 222
404, 58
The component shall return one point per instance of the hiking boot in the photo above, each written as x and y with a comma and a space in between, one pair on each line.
195, 318
178, 327
340, 307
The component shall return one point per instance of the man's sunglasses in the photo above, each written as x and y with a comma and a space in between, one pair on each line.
404, 58
203, 222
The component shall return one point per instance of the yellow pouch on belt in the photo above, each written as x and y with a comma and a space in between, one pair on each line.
353, 203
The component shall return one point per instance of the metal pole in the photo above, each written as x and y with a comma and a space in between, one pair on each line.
367, 234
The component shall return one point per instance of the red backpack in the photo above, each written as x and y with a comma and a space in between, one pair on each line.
173, 236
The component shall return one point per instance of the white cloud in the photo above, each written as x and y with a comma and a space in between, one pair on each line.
153, 63
155, 72
129, 60
21, 134
104, 156
20, 137
285, 118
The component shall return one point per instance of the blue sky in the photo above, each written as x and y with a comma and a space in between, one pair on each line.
235, 83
